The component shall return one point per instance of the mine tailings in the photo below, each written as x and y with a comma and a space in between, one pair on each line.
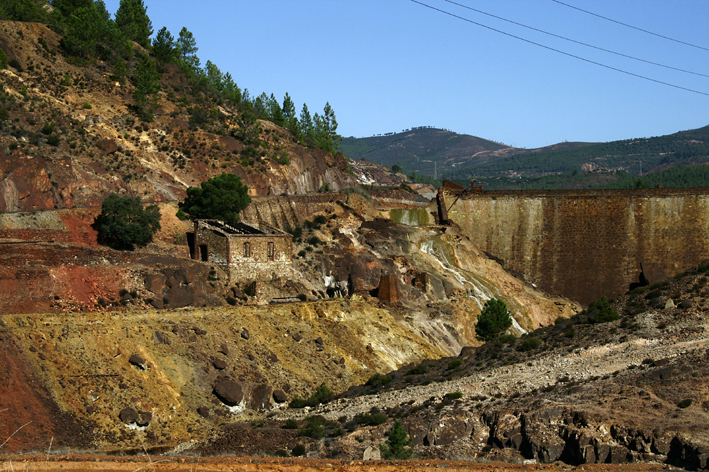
583, 244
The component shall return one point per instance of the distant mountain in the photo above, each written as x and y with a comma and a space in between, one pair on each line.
639, 155
432, 151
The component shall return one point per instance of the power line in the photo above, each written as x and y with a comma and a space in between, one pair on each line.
577, 42
559, 51
630, 26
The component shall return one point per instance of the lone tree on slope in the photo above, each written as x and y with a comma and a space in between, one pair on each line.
124, 223
219, 198
493, 320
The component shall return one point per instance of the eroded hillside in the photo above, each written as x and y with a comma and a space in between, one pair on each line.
70, 135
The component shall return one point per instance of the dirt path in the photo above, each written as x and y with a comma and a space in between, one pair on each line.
76, 463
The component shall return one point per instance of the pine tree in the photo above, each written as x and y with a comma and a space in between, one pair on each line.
275, 111
147, 84
215, 78
132, 19
231, 91
307, 128
187, 48
164, 47
396, 444
289, 116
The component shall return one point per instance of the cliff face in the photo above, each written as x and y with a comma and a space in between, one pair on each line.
587, 244
102, 147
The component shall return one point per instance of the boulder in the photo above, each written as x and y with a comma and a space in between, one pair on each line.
449, 429
203, 411
128, 415
260, 397
245, 333
686, 304
161, 338
279, 396
144, 418
155, 283
372, 454
219, 364
229, 392
138, 361
108, 146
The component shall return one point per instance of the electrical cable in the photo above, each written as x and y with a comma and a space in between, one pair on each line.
577, 42
630, 26
559, 51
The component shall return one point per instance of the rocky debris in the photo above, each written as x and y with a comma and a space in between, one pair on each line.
297, 337
219, 364
245, 334
229, 392
138, 361
203, 411
224, 349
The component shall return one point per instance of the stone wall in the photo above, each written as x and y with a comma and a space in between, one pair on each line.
583, 244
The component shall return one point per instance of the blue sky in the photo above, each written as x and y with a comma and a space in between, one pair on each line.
389, 65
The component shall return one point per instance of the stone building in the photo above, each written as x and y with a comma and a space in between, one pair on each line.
254, 251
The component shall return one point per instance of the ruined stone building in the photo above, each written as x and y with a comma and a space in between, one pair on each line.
253, 251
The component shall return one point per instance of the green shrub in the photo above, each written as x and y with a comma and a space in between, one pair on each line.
378, 380
16, 64
3, 59
418, 370
605, 312
320, 395
397, 444
454, 395
529, 344
298, 450
53, 140
87, 106
291, 424
494, 319
455, 363
314, 427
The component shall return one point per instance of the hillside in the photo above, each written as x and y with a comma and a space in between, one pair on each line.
417, 150
616, 164
70, 134
427, 150
371, 318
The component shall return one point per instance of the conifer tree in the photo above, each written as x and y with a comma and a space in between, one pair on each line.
275, 111
187, 47
164, 47
290, 118
132, 19
307, 128
147, 84
231, 91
